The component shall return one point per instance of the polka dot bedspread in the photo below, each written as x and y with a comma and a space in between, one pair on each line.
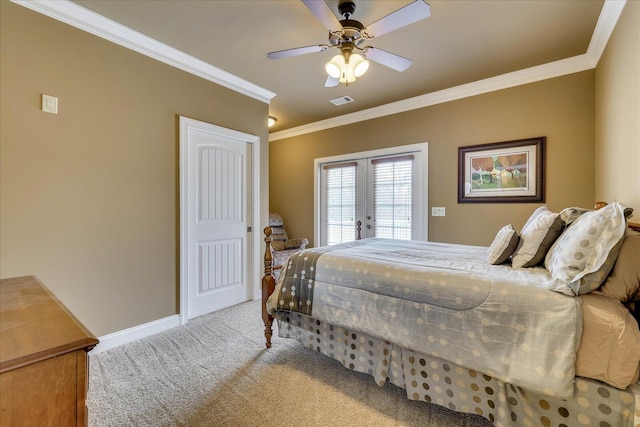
445, 301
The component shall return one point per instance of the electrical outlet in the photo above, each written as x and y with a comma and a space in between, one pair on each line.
49, 104
437, 211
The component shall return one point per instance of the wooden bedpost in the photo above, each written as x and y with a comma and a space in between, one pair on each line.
358, 230
268, 286
600, 205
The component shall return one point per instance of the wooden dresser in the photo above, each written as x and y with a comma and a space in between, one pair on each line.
44, 366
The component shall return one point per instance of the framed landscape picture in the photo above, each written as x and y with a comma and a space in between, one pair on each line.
502, 172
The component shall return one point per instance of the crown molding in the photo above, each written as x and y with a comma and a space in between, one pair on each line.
91, 22
492, 84
607, 20
611, 11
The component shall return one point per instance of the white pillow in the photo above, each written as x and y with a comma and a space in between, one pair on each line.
538, 234
583, 256
503, 245
569, 215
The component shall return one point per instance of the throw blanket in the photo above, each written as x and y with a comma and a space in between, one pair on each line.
296, 288
447, 301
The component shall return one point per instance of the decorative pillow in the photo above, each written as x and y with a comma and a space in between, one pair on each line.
538, 234
623, 284
503, 245
569, 215
583, 256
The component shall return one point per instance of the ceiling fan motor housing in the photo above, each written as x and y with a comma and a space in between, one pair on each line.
351, 32
346, 8
351, 29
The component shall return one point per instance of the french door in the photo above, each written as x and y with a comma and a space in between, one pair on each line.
383, 191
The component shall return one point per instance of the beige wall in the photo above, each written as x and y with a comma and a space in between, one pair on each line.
89, 197
562, 109
618, 114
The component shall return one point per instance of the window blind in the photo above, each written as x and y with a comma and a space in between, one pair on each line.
339, 183
392, 197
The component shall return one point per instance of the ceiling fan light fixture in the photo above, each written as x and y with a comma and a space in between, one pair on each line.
359, 65
335, 66
346, 72
347, 76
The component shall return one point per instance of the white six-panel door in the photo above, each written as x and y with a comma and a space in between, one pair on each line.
218, 245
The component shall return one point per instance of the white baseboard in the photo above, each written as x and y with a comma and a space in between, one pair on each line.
135, 333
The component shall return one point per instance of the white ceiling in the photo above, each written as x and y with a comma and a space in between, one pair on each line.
461, 42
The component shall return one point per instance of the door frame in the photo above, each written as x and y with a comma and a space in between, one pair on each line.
254, 239
422, 147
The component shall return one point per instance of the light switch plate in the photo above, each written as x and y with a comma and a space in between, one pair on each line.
439, 211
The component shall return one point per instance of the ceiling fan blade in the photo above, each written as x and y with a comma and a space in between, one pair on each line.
331, 82
323, 12
409, 14
387, 59
296, 51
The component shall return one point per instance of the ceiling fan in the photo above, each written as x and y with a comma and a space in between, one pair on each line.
348, 35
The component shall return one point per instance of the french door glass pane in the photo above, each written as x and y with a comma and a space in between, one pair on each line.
340, 203
392, 198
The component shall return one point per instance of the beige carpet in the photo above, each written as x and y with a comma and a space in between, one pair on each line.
215, 371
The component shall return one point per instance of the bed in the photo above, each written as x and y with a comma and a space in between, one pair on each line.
535, 330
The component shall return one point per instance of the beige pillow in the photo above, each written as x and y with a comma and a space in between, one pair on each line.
610, 346
538, 234
503, 245
583, 256
623, 284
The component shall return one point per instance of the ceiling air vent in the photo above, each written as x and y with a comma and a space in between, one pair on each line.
342, 100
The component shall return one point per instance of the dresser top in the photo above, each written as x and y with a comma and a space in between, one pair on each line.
35, 326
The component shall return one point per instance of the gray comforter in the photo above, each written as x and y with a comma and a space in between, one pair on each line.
445, 300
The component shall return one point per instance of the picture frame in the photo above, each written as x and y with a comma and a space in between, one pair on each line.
502, 172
